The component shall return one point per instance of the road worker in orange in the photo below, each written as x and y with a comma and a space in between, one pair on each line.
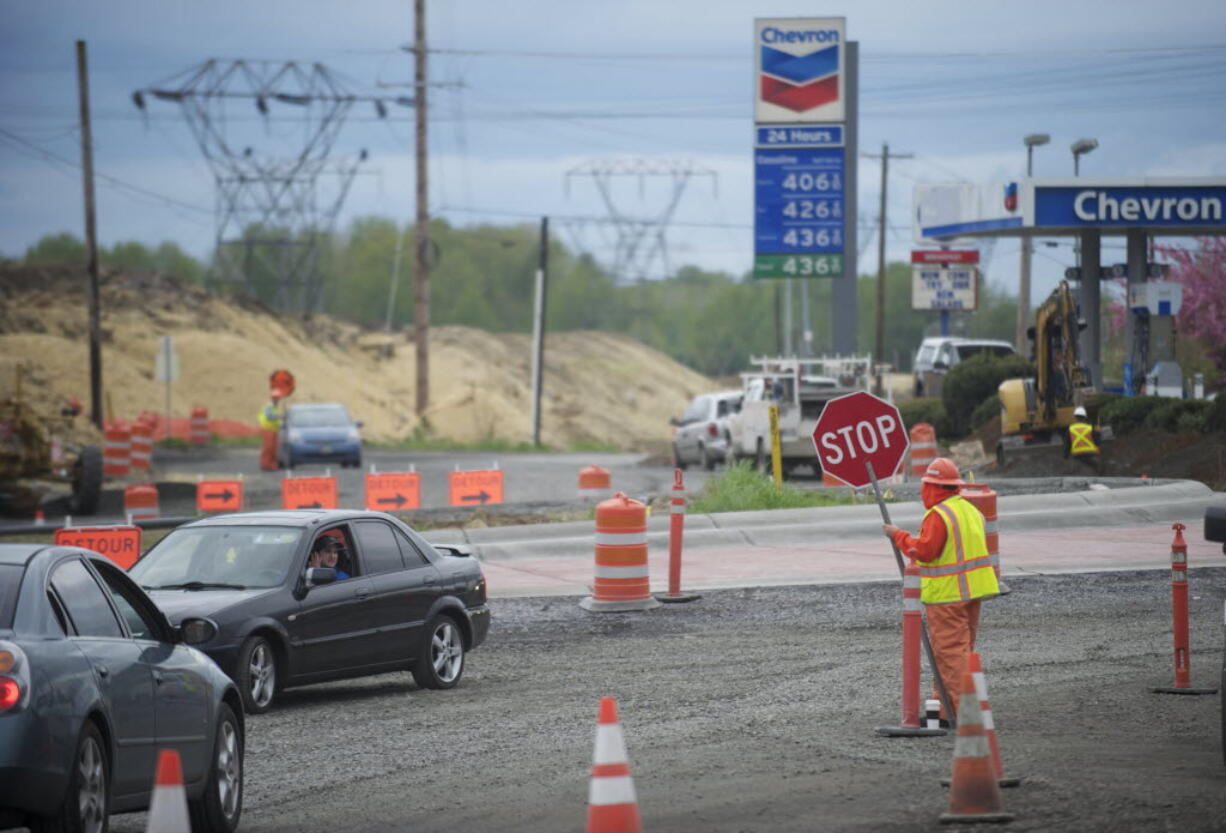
1082, 439
270, 418
956, 572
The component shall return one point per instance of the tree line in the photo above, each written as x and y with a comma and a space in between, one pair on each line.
483, 277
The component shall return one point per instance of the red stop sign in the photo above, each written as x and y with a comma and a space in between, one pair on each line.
856, 429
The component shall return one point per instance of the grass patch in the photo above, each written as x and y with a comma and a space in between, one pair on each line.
741, 489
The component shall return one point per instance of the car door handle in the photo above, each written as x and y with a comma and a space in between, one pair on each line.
429, 581
157, 677
361, 593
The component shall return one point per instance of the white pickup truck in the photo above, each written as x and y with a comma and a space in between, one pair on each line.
799, 388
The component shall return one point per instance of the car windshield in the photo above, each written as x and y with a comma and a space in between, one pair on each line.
325, 417
10, 580
219, 557
966, 351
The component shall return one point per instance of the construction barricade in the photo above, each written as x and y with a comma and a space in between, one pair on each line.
983, 498
199, 434
116, 449
1179, 620
621, 579
676, 532
140, 502
141, 454
594, 483
912, 635
923, 448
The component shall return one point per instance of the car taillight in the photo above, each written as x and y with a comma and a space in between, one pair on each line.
10, 693
712, 429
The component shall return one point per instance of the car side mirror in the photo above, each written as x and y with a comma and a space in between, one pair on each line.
1215, 525
320, 575
196, 631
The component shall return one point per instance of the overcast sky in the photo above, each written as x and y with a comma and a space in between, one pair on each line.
534, 89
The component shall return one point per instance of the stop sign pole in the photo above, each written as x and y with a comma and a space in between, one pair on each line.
854, 434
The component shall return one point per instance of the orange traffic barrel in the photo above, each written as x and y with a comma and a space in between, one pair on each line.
621, 581
200, 425
594, 483
141, 454
983, 498
116, 446
140, 502
923, 448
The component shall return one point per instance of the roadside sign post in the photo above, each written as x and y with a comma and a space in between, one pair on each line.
855, 434
166, 369
776, 455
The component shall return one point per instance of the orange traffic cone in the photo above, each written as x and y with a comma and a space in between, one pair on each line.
168, 810
974, 795
612, 806
975, 667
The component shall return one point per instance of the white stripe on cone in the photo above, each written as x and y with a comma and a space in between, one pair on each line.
168, 809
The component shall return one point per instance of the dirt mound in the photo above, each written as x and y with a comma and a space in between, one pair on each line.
599, 388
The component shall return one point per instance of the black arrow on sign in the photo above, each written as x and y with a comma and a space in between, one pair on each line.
315, 505
398, 500
226, 495
482, 496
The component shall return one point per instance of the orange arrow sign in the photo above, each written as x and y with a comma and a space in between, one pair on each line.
121, 544
219, 496
393, 491
475, 488
309, 493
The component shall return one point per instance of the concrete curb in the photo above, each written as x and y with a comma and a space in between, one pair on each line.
1183, 500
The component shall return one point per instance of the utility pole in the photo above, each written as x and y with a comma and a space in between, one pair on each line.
538, 332
91, 242
421, 277
879, 344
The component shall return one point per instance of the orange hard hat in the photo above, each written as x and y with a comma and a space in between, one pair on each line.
942, 472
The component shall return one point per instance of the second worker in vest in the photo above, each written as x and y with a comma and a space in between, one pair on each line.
956, 572
1082, 439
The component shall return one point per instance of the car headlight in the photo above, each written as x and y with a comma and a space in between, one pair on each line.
294, 436
354, 436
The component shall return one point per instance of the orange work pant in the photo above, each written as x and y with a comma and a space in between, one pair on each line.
952, 629
268, 450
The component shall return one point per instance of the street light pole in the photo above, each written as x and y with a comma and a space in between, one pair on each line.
1023, 290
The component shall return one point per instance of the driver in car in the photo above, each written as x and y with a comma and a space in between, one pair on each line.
324, 554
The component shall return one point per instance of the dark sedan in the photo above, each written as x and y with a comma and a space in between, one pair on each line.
93, 682
389, 600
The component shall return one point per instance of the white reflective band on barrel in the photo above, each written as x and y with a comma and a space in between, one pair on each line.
922, 445
115, 444
636, 571
971, 746
911, 604
1178, 557
616, 790
622, 539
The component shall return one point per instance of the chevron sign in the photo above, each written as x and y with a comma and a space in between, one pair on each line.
799, 70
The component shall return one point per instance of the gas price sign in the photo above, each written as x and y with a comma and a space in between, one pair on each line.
798, 211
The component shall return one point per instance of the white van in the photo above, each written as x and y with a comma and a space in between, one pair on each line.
937, 355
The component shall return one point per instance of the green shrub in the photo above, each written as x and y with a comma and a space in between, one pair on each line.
1215, 417
739, 488
985, 411
970, 382
1175, 415
927, 409
1126, 414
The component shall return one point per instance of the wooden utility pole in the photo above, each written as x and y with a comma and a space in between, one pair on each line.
91, 242
421, 277
879, 343
538, 332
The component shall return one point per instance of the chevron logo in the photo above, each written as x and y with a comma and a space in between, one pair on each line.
800, 82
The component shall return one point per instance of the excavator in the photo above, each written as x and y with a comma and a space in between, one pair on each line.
1039, 410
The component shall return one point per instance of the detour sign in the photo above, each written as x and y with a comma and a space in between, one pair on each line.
121, 544
393, 491
219, 496
475, 488
309, 493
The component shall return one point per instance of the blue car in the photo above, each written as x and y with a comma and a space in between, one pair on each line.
319, 433
93, 683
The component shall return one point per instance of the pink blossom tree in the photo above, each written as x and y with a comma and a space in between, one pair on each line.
1202, 271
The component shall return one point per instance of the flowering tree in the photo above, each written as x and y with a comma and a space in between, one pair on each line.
1202, 271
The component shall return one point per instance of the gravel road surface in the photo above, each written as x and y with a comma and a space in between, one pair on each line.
752, 711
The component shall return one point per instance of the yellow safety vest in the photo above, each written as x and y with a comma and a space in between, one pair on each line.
270, 417
1081, 437
964, 570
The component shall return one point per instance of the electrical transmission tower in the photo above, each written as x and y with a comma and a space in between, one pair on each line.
272, 215
640, 243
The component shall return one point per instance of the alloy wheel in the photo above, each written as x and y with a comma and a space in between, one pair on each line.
447, 652
91, 800
263, 675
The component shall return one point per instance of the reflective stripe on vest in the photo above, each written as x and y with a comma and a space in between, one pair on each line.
964, 570
1082, 436
270, 417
